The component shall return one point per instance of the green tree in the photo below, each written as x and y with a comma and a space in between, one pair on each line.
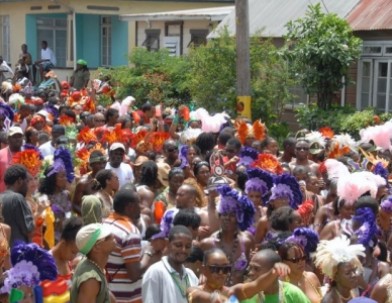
320, 48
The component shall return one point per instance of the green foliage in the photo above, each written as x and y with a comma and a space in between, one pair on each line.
312, 117
212, 74
207, 76
154, 76
353, 123
320, 48
340, 119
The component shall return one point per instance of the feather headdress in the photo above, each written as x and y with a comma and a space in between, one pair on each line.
330, 254
335, 169
190, 135
351, 187
211, 124
232, 202
386, 205
286, 186
315, 137
257, 131
62, 161
86, 135
368, 230
259, 180
269, 163
29, 158
327, 132
305, 237
30, 265
247, 156
380, 134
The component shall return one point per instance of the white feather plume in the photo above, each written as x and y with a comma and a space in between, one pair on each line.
315, 137
338, 250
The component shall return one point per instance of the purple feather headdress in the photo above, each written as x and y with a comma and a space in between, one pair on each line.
259, 180
386, 205
368, 230
30, 265
62, 161
165, 225
286, 186
183, 155
306, 237
247, 156
6, 111
51, 109
380, 170
232, 202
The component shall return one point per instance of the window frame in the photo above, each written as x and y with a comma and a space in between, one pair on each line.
106, 40
5, 43
152, 35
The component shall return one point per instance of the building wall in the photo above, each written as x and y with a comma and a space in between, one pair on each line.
22, 20
188, 25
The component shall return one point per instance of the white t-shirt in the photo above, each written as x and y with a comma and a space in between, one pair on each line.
47, 149
48, 54
159, 286
124, 173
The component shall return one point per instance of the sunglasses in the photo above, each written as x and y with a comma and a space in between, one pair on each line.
303, 148
215, 269
297, 260
171, 150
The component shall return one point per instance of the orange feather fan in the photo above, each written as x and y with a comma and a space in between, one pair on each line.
259, 130
242, 131
327, 132
86, 135
269, 163
337, 151
30, 158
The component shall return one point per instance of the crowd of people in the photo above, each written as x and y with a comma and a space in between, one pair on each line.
125, 203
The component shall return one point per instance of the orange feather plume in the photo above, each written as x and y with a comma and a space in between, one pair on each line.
269, 163
66, 120
157, 139
30, 158
83, 155
184, 112
242, 131
259, 130
337, 151
114, 135
327, 132
86, 135
138, 137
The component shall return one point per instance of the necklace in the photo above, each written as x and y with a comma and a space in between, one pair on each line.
342, 298
229, 280
97, 266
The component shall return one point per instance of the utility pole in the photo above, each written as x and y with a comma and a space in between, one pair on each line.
243, 59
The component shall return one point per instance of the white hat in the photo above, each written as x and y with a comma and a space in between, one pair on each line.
117, 145
14, 130
90, 234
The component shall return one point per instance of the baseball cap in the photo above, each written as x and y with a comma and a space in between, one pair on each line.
117, 145
89, 235
14, 130
315, 148
81, 62
95, 158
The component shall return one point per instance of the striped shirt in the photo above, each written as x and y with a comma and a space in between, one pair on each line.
127, 250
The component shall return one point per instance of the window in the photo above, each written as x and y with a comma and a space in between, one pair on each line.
152, 39
198, 37
5, 37
106, 40
366, 71
54, 31
374, 78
